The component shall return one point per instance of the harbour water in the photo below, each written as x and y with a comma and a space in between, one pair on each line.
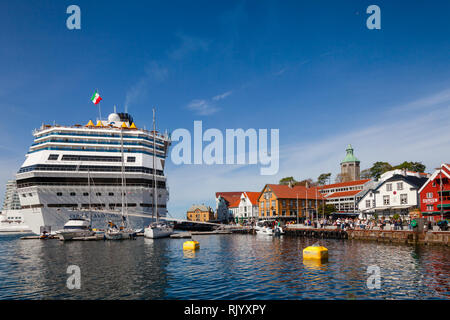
226, 267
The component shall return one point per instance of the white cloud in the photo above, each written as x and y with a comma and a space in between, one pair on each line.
202, 107
154, 72
222, 96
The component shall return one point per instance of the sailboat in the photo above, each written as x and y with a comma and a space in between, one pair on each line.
123, 232
156, 229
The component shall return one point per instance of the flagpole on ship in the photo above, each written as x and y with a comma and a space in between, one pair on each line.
99, 109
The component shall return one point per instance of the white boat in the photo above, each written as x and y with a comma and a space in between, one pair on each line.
158, 229
262, 227
76, 228
115, 233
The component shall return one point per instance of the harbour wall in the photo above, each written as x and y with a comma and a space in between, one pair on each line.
385, 236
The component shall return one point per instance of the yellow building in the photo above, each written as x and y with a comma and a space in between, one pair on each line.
200, 213
280, 202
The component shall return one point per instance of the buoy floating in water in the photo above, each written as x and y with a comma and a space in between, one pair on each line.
315, 252
191, 245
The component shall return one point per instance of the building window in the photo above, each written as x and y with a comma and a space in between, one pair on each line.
400, 186
429, 207
403, 198
284, 203
85, 194
273, 203
386, 201
373, 203
389, 187
98, 194
367, 203
111, 194
59, 194
53, 157
131, 159
73, 194
429, 195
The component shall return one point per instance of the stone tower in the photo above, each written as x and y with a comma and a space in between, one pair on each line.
350, 169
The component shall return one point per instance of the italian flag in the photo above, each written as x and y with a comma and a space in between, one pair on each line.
96, 98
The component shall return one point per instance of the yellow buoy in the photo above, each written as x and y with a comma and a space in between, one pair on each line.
315, 252
191, 245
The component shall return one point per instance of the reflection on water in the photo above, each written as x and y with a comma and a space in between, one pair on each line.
226, 267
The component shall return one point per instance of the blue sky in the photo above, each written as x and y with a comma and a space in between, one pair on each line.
309, 68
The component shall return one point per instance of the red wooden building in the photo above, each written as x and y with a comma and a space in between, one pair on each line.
435, 194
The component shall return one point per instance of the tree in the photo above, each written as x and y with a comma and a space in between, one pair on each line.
308, 181
287, 180
329, 209
323, 178
411, 166
379, 168
342, 177
365, 174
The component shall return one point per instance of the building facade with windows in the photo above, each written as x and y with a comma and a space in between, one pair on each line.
226, 204
395, 193
435, 194
248, 207
345, 195
200, 213
286, 201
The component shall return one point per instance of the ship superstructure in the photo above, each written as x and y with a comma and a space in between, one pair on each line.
77, 170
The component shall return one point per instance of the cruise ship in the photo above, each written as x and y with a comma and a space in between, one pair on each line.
93, 171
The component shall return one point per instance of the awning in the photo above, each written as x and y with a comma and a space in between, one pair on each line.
445, 205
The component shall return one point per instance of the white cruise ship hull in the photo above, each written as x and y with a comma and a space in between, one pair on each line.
53, 220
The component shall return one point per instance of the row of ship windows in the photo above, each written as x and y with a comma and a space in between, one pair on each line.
87, 135
55, 167
70, 157
73, 194
98, 142
92, 205
96, 150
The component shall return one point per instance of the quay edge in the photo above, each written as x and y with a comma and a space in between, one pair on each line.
386, 236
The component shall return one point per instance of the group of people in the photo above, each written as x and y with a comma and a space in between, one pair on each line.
356, 223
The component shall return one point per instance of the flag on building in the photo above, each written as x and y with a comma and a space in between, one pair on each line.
96, 98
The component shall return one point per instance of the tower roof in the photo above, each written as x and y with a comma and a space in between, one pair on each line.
350, 157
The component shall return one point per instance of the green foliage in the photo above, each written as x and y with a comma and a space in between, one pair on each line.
287, 180
329, 208
379, 168
411, 166
396, 216
323, 178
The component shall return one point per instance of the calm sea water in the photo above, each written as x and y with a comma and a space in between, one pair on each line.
225, 267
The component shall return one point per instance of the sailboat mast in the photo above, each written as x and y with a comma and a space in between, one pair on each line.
89, 190
155, 197
123, 177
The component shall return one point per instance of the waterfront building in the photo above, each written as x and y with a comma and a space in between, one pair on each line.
350, 168
285, 201
345, 195
200, 213
435, 194
93, 170
223, 202
396, 192
248, 207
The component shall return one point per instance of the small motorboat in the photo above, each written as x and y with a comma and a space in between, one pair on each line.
76, 228
263, 227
